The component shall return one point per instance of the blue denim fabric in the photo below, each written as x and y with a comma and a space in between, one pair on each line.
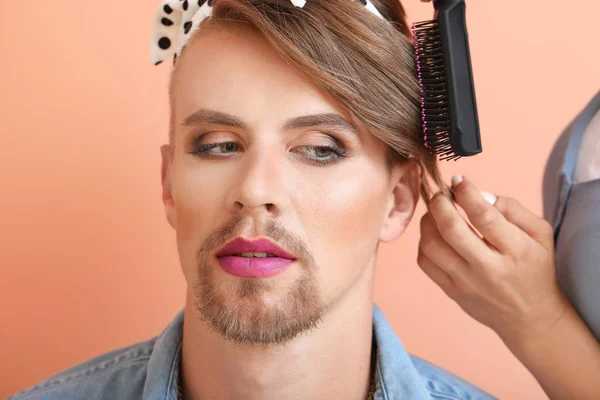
149, 371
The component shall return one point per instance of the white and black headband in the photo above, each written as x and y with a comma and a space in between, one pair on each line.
176, 20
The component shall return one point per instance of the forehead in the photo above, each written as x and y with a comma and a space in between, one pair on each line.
234, 69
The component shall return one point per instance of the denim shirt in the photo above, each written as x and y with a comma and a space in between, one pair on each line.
149, 370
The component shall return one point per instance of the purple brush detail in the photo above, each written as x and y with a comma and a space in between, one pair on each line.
420, 81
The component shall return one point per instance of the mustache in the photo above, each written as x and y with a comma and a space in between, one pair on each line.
271, 229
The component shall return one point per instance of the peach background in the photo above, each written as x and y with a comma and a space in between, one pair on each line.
87, 260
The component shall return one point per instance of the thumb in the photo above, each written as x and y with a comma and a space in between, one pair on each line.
515, 213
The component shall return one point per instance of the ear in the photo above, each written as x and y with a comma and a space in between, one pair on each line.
167, 189
403, 198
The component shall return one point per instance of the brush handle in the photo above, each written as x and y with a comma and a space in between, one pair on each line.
446, 4
461, 90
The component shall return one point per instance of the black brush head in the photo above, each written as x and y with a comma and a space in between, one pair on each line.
448, 106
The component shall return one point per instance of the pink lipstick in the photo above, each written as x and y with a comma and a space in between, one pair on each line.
253, 259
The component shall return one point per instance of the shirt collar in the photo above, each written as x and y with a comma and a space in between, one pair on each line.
397, 378
163, 371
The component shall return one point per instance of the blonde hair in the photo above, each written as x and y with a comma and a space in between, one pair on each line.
367, 65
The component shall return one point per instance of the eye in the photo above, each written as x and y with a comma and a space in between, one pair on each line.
325, 154
321, 155
223, 149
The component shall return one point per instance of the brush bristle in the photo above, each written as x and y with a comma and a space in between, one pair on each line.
435, 112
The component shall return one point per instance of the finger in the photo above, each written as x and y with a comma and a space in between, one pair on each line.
457, 233
530, 223
437, 275
437, 250
487, 219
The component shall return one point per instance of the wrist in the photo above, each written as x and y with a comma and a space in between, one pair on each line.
564, 359
538, 328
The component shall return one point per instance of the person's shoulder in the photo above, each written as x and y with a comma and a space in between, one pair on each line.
118, 374
443, 384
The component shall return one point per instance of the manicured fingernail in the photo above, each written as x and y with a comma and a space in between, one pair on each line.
456, 179
490, 198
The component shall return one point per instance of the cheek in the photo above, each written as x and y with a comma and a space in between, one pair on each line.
197, 199
348, 211
343, 224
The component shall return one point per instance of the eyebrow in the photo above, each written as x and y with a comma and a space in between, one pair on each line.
330, 120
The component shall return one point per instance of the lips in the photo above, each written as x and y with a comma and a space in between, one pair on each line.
240, 245
231, 260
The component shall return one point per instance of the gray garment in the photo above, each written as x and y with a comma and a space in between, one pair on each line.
573, 209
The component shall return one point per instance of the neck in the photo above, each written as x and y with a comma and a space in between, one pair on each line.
331, 361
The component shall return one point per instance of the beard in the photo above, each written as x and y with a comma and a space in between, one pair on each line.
238, 311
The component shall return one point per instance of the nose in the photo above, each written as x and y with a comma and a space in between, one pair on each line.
258, 187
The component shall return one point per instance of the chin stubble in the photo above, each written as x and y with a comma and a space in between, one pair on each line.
236, 310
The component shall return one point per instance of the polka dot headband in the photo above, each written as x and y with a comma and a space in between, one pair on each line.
177, 20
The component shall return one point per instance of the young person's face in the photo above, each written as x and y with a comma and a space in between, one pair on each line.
265, 180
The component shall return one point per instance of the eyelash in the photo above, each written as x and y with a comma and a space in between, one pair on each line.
339, 153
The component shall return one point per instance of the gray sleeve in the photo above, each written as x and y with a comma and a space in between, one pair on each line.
573, 209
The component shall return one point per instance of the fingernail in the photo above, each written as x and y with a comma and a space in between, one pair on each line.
456, 179
490, 198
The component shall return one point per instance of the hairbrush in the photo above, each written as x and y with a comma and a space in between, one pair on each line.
448, 107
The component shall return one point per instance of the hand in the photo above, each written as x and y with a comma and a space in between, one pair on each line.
503, 276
